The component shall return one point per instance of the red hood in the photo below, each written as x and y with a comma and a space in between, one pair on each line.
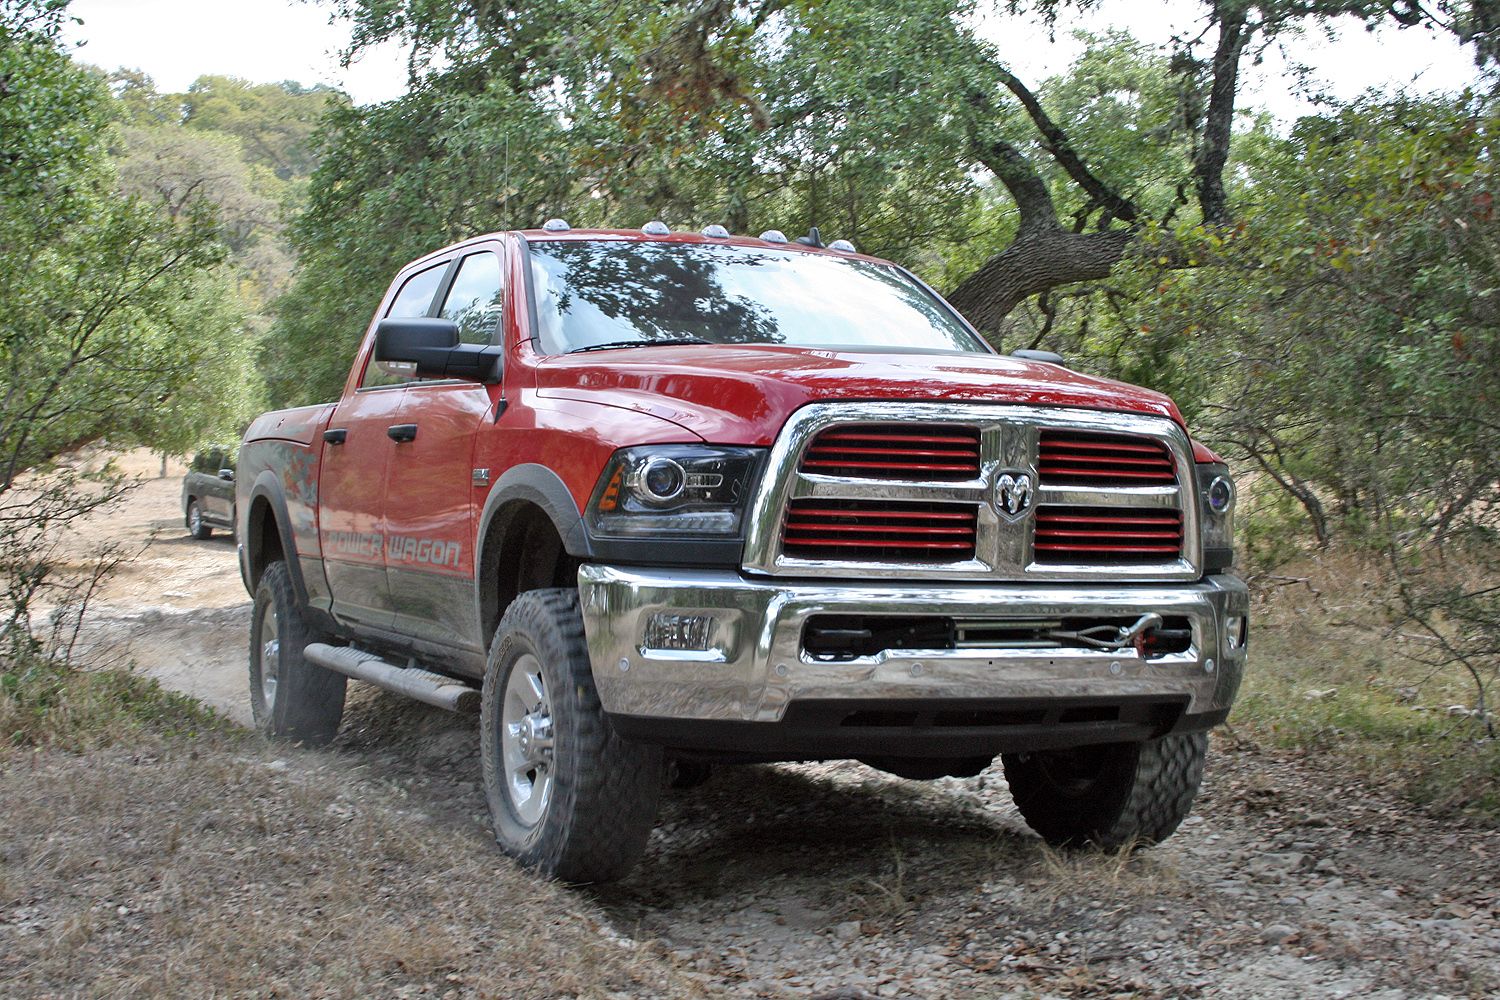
743, 395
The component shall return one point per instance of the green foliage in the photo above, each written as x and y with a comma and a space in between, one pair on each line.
178, 171
242, 152
45, 702
1346, 343
115, 321
99, 291
1360, 284
274, 122
397, 181
1123, 106
105, 317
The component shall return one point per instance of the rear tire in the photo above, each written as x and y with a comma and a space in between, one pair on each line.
195, 524
567, 796
1108, 796
290, 697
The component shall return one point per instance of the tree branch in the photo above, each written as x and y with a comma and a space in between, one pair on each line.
1057, 143
1010, 166
1213, 146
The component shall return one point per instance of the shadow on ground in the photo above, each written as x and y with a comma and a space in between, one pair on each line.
816, 829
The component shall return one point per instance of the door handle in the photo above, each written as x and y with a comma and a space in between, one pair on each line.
335, 435
401, 432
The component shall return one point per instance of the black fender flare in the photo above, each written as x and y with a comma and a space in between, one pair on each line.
538, 485
267, 487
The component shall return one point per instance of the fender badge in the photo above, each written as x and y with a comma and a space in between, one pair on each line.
1013, 494
481, 477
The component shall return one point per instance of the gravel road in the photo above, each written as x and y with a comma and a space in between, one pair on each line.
838, 881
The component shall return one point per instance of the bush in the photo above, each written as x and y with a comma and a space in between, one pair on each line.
46, 701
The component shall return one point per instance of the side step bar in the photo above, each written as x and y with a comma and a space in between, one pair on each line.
423, 685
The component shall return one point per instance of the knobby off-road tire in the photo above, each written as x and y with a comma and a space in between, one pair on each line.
568, 797
1108, 796
290, 698
195, 524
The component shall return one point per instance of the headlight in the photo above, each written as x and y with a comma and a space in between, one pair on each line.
674, 490
1216, 511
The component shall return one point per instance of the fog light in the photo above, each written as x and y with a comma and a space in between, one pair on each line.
664, 631
1234, 632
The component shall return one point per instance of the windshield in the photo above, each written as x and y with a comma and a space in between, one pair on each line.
616, 292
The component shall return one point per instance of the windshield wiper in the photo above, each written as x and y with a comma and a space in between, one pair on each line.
676, 342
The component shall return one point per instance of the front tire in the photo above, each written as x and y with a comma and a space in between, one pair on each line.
290, 697
1108, 796
195, 524
567, 796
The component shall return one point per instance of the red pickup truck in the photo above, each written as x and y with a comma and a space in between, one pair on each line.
656, 501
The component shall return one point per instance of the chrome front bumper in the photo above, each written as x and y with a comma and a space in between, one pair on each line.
755, 667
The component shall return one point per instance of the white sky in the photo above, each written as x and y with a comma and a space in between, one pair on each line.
176, 41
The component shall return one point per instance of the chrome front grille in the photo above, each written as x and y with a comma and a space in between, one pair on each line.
879, 530
919, 490
1106, 536
1070, 458
938, 453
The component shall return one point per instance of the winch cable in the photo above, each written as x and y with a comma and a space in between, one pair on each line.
1109, 637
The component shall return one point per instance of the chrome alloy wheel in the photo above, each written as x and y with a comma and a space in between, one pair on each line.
195, 518
527, 740
270, 654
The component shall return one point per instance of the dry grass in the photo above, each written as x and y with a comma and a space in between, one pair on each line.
1123, 873
214, 868
149, 849
1329, 677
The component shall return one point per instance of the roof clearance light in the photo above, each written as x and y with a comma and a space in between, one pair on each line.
556, 226
656, 228
773, 236
843, 246
716, 231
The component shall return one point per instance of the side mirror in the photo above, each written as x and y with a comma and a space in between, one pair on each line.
1027, 354
227, 475
432, 345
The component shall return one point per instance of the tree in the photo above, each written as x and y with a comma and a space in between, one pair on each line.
709, 62
274, 121
1047, 254
437, 165
108, 308
179, 170
1346, 336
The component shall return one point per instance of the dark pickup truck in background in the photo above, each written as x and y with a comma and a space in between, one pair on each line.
208, 492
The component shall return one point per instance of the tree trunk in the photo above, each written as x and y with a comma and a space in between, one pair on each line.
1213, 144
1044, 254
1040, 259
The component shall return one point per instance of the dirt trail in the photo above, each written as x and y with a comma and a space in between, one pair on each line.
178, 610
800, 880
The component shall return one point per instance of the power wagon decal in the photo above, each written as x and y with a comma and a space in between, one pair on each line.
397, 548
